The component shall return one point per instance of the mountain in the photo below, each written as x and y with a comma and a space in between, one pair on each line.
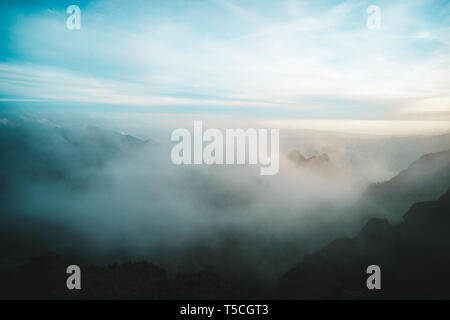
321, 163
383, 154
425, 179
44, 277
414, 257
43, 164
42, 151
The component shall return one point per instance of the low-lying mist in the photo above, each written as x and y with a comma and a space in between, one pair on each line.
85, 188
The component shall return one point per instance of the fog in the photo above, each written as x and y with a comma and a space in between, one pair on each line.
103, 188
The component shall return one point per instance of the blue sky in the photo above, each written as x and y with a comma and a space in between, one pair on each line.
277, 59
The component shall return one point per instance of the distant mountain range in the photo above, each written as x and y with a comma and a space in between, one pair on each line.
41, 151
414, 257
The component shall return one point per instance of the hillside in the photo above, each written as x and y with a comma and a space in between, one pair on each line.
425, 179
414, 257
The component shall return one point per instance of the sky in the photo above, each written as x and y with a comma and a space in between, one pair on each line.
283, 59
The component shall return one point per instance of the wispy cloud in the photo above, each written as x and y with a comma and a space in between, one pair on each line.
294, 55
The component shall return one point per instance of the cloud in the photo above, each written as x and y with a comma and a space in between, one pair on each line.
230, 55
429, 105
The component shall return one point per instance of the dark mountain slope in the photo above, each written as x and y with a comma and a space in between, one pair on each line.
414, 258
44, 277
425, 179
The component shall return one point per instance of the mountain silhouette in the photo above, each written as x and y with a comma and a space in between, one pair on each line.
320, 163
414, 257
44, 277
425, 179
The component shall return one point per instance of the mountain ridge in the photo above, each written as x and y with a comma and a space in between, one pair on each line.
413, 257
